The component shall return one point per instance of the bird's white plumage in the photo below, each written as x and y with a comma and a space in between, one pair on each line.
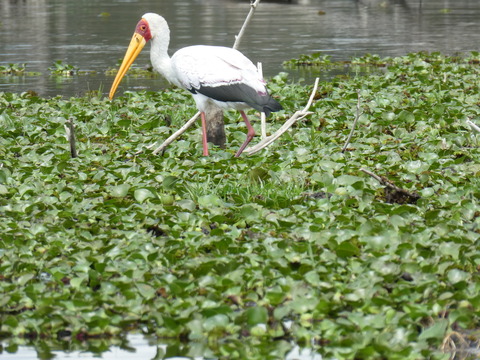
199, 66
215, 75
213, 66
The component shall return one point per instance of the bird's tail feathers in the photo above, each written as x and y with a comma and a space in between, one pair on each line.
272, 105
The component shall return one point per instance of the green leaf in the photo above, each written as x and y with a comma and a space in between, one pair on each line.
210, 201
256, 315
119, 190
142, 194
217, 321
3, 176
169, 182
436, 331
145, 290
455, 276
347, 249
24, 278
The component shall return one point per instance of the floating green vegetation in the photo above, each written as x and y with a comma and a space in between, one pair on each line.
135, 71
61, 69
13, 69
241, 258
315, 59
16, 70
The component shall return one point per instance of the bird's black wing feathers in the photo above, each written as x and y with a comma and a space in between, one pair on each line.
240, 93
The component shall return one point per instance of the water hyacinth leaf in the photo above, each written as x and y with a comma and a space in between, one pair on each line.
209, 201
3, 189
186, 204
76, 283
169, 182
456, 276
10, 321
313, 278
256, 315
3, 176
219, 321
24, 278
310, 249
436, 331
147, 291
347, 249
452, 249
142, 194
119, 190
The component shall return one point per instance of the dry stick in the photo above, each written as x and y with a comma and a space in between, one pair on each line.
190, 122
388, 184
473, 126
176, 134
295, 117
357, 116
263, 121
238, 38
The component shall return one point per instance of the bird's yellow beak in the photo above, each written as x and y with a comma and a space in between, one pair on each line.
136, 45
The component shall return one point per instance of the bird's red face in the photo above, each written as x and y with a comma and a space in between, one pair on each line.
139, 39
143, 29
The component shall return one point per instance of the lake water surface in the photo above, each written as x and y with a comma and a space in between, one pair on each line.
93, 35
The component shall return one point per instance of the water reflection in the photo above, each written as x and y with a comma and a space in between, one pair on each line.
93, 35
134, 347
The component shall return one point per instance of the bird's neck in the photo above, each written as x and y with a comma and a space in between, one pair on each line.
159, 57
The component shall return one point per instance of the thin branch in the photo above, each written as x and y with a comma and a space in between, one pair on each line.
270, 139
357, 116
176, 134
238, 38
263, 120
473, 126
263, 125
411, 196
312, 95
295, 117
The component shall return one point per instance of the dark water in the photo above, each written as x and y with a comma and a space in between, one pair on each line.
93, 35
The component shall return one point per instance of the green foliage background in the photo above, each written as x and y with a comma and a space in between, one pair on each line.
245, 256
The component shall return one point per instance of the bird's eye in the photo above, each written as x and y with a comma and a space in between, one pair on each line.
143, 28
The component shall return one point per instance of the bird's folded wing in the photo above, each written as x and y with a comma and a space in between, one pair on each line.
213, 66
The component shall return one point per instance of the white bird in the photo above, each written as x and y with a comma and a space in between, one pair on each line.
217, 74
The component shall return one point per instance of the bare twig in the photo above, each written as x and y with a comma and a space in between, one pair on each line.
295, 117
176, 134
473, 126
270, 139
400, 195
263, 121
238, 38
380, 179
357, 116
70, 130
454, 338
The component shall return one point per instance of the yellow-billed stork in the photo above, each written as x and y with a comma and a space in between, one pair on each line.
215, 74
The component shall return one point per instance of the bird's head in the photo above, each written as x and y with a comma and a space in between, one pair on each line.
144, 31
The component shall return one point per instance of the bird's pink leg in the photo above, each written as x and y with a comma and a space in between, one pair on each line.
250, 134
204, 134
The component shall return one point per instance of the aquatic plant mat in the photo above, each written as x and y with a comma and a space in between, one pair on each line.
371, 252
